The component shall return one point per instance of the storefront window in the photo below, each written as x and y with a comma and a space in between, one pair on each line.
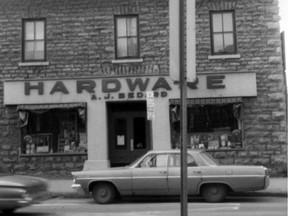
209, 126
53, 131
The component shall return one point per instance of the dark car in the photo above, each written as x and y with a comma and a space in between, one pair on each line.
17, 191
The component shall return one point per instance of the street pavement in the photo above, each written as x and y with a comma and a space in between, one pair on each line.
62, 188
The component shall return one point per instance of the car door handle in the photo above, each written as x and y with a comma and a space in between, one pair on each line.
163, 172
197, 172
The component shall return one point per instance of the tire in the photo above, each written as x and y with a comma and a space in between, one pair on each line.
103, 193
214, 192
7, 211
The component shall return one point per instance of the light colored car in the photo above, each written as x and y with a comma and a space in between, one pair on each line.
157, 173
17, 191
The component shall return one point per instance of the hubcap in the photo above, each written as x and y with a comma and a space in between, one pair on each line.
214, 190
103, 193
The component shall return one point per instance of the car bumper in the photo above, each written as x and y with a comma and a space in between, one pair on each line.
78, 188
29, 199
267, 182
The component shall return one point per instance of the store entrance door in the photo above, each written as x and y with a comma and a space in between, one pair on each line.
129, 132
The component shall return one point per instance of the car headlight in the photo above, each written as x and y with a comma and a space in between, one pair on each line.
26, 196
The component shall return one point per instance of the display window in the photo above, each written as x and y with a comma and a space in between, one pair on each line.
209, 126
53, 129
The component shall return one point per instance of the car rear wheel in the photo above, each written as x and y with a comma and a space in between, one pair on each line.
103, 193
214, 192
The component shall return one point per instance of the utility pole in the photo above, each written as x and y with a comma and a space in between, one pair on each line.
187, 49
183, 105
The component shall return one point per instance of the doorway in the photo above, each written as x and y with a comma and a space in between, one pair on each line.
129, 132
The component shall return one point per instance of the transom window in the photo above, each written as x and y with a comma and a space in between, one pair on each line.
223, 33
34, 40
127, 42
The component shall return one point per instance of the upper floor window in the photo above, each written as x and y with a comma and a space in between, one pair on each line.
127, 38
33, 40
223, 35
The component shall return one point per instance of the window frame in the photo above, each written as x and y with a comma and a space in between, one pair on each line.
223, 32
24, 21
137, 56
34, 130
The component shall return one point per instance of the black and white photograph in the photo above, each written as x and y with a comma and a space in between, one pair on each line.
143, 107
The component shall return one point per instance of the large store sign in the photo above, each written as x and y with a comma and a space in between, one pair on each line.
66, 90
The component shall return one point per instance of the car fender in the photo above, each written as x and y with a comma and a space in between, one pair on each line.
92, 183
200, 186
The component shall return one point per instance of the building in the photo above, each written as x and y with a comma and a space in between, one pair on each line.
76, 74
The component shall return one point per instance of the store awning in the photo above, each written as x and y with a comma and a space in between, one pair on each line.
207, 101
50, 106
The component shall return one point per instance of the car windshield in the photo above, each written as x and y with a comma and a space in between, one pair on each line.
3, 169
134, 162
209, 160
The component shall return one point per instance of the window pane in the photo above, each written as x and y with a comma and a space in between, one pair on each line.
218, 43
29, 30
217, 22
161, 161
39, 50
228, 22
229, 43
121, 47
132, 27
121, 27
39, 30
132, 46
29, 50
57, 129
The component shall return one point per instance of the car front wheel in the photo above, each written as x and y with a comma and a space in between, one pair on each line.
103, 193
214, 192
7, 211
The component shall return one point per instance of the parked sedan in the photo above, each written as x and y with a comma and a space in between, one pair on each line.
157, 173
17, 191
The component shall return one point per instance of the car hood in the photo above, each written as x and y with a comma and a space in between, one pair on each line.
22, 181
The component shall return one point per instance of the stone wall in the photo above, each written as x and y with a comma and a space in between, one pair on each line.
80, 43
258, 43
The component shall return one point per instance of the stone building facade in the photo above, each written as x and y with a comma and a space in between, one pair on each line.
63, 104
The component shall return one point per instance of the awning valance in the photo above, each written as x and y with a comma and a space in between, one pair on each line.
206, 101
50, 106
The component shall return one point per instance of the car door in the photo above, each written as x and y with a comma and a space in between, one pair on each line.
150, 177
174, 174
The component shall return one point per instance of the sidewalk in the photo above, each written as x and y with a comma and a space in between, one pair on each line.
62, 188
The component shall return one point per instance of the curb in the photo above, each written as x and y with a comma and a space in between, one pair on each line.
73, 195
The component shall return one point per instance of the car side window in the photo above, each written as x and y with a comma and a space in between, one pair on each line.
175, 160
191, 161
159, 160
146, 162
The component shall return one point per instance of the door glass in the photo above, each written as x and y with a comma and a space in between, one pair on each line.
120, 133
139, 132
175, 160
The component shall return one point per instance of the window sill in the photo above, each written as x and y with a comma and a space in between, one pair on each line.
224, 56
26, 64
53, 154
227, 149
122, 61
